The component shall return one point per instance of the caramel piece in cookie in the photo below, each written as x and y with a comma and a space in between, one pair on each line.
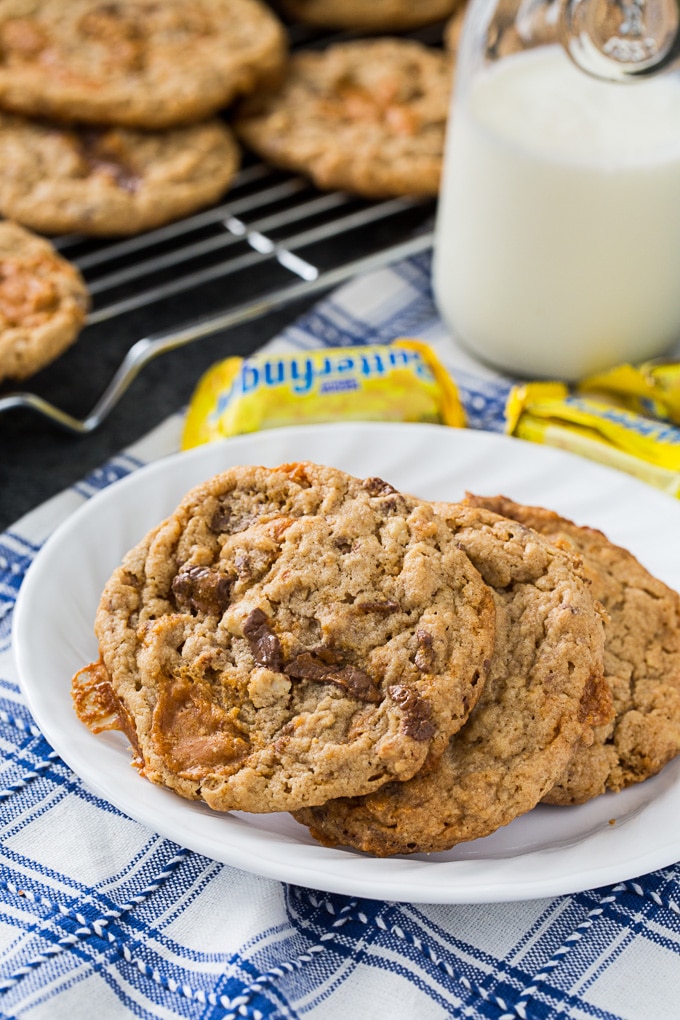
544, 691
110, 181
288, 635
366, 116
641, 659
43, 302
375, 15
137, 63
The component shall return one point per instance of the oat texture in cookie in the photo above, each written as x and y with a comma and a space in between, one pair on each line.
138, 63
378, 15
287, 635
366, 116
642, 660
544, 692
43, 302
110, 181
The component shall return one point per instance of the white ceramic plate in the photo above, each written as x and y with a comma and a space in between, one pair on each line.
549, 851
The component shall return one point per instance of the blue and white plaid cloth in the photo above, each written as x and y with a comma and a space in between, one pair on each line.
102, 918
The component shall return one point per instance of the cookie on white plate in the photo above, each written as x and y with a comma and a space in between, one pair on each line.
288, 635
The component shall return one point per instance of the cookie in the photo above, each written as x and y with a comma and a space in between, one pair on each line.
454, 29
511, 30
43, 302
110, 181
366, 116
642, 659
543, 693
286, 635
138, 63
378, 15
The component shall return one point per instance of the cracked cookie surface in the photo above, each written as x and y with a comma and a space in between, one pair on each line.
642, 659
367, 116
543, 693
288, 635
136, 63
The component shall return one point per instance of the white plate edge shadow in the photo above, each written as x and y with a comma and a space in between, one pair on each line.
581, 489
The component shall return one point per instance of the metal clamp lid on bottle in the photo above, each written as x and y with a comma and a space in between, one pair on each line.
621, 40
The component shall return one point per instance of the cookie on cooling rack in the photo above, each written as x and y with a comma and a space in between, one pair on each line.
509, 31
377, 15
366, 116
138, 63
43, 302
110, 181
641, 659
454, 28
544, 692
288, 635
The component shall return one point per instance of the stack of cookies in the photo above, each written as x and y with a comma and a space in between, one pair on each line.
118, 118
109, 126
108, 111
400, 675
115, 118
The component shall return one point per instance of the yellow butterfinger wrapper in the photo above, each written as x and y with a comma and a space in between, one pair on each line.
402, 381
651, 389
548, 413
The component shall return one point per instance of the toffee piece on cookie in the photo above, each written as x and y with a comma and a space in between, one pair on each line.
288, 635
366, 116
43, 302
544, 693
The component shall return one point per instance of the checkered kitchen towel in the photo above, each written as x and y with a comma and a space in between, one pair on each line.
102, 918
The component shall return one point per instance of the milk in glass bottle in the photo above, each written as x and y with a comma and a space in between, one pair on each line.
557, 244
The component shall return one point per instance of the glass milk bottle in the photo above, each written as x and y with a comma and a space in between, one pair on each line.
557, 243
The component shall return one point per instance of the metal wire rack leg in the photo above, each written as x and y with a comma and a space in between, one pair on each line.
148, 348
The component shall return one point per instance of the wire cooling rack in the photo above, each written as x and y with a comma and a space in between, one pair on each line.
273, 241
